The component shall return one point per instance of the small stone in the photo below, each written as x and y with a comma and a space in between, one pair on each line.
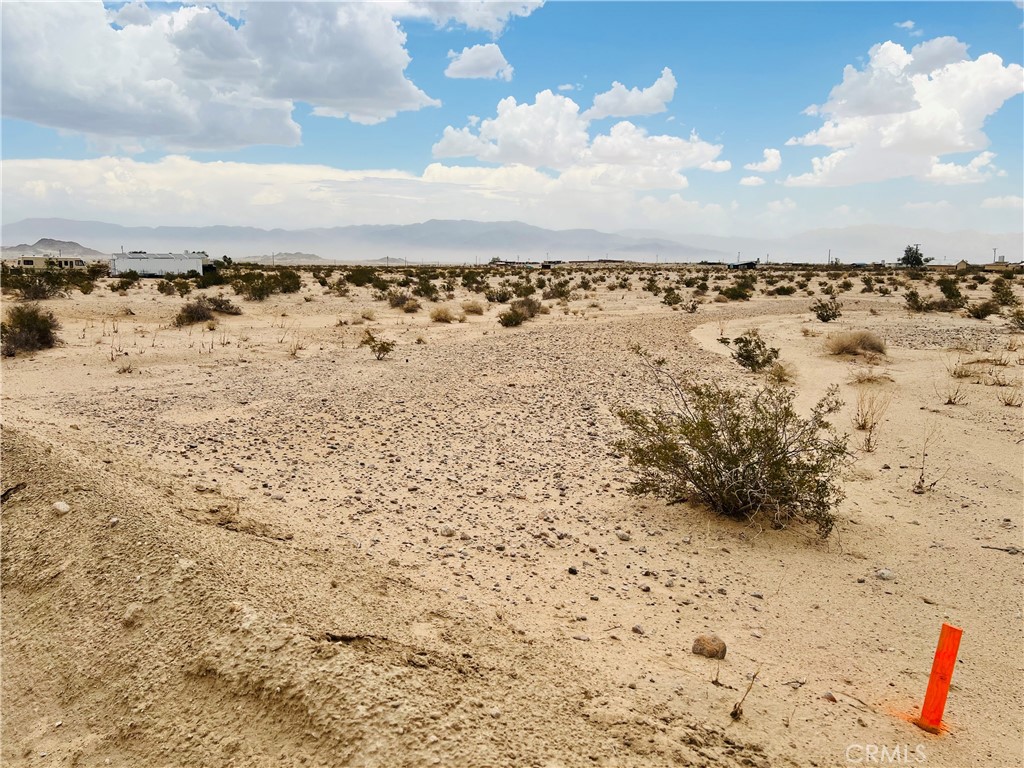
758, 595
861, 580
711, 646
447, 531
114, 521
885, 574
494, 712
637, 629
572, 570
623, 536
756, 634
61, 508
582, 638
829, 696
277, 496
132, 614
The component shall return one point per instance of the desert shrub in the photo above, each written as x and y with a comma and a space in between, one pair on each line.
524, 288
360, 276
223, 305
211, 278
166, 287
288, 281
198, 311
442, 315
527, 307
735, 293
38, 287
472, 307
747, 455
411, 306
854, 343
380, 347
499, 295
425, 289
397, 299
557, 289
782, 290
511, 317
983, 309
28, 329
691, 306
752, 353
671, 298
1016, 318
952, 297
827, 311
1002, 293
915, 303
845, 286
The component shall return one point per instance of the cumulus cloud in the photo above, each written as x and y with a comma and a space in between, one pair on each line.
1007, 201
479, 62
898, 115
567, 87
188, 78
751, 181
772, 162
487, 15
552, 133
909, 26
622, 102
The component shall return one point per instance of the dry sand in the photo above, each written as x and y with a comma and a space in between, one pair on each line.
280, 551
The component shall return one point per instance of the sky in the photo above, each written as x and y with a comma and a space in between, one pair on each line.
730, 118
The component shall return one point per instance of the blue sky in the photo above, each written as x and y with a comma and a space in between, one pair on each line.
359, 123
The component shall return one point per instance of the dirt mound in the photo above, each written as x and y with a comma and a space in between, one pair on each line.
138, 632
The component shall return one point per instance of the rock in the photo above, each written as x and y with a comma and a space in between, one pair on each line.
132, 614
623, 536
573, 570
861, 580
277, 496
61, 508
711, 646
637, 629
758, 595
494, 712
583, 638
885, 574
447, 531
114, 521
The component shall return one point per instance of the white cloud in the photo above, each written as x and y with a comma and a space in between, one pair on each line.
898, 115
187, 78
620, 102
772, 162
548, 133
909, 26
781, 206
567, 87
479, 62
977, 170
488, 15
751, 181
1007, 201
551, 133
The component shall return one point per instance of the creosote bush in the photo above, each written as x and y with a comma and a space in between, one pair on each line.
827, 311
752, 353
380, 347
28, 329
744, 454
201, 310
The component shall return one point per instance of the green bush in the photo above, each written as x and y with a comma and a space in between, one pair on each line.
380, 347
511, 317
747, 455
38, 287
752, 353
827, 311
28, 329
193, 312
500, 295
360, 276
527, 307
223, 305
1002, 293
983, 309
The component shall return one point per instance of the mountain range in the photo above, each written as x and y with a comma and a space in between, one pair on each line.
475, 241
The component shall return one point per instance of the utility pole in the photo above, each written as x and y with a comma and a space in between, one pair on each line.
993, 255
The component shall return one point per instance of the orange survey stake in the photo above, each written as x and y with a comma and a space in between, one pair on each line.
940, 679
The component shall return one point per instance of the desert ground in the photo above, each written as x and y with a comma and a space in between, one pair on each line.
271, 548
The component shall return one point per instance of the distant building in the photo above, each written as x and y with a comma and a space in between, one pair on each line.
744, 265
41, 263
156, 264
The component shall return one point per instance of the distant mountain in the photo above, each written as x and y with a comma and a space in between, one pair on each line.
479, 242
46, 246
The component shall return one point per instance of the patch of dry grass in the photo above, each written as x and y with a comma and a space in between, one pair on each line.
854, 343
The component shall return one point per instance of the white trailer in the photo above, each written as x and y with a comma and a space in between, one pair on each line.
156, 264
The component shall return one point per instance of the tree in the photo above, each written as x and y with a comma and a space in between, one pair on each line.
912, 257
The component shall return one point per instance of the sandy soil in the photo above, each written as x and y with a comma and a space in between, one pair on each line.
280, 551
